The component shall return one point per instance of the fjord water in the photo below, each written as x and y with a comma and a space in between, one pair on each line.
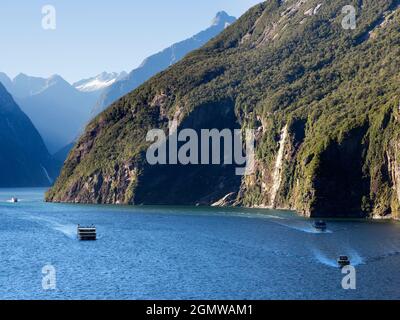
188, 253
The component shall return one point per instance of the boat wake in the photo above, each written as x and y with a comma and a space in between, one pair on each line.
254, 215
11, 201
320, 257
274, 217
390, 252
355, 258
302, 226
68, 230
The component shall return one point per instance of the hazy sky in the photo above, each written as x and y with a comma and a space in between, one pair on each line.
92, 36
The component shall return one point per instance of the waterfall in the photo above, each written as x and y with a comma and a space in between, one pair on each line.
277, 175
47, 175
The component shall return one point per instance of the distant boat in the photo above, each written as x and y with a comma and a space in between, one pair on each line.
87, 233
343, 261
14, 200
320, 225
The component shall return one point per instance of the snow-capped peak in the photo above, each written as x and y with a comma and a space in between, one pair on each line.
99, 82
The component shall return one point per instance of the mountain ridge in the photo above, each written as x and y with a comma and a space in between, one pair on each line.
161, 61
59, 121
38, 98
323, 101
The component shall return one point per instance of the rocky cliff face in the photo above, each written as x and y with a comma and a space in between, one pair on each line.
393, 165
323, 101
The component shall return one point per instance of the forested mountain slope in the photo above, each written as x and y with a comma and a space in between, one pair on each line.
325, 98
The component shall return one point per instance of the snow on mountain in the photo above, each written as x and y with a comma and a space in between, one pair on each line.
99, 82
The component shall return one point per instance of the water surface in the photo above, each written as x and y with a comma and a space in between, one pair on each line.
188, 253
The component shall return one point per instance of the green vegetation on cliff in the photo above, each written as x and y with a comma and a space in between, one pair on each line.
280, 67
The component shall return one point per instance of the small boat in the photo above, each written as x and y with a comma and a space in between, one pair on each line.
87, 233
343, 261
320, 225
14, 200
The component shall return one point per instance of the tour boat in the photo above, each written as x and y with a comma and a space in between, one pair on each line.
87, 233
320, 225
343, 261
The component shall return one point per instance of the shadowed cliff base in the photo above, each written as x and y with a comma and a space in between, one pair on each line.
341, 185
193, 184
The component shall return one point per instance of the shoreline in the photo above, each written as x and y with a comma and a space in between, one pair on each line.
373, 217
260, 207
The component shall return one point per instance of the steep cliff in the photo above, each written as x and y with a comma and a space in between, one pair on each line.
24, 159
323, 100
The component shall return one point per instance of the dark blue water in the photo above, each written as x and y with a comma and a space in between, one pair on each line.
188, 253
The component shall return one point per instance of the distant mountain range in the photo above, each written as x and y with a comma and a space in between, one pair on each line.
57, 109
60, 111
161, 61
24, 159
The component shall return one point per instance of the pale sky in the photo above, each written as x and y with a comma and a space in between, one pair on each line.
93, 36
